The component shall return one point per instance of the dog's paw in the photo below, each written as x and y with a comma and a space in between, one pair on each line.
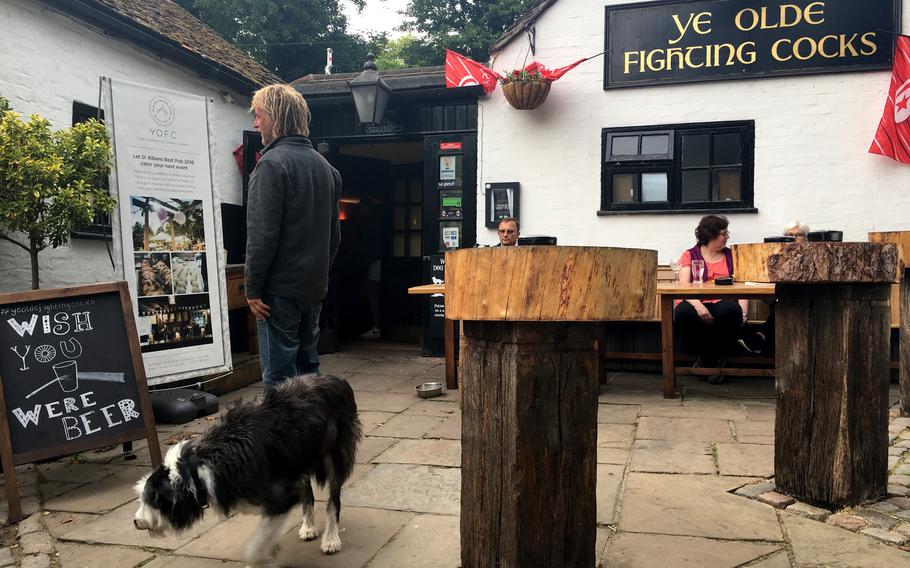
330, 545
307, 532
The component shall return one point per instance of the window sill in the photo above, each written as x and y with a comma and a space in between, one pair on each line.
732, 210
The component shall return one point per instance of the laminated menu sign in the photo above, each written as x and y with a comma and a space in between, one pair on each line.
170, 250
71, 374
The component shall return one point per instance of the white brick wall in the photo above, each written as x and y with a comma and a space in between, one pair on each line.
812, 134
50, 60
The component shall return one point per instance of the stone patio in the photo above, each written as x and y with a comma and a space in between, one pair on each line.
678, 485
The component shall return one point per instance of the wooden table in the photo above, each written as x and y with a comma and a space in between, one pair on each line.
449, 332
667, 292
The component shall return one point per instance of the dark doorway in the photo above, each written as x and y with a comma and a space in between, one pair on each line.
382, 238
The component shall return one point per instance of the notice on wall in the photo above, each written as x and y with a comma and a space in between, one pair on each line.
171, 253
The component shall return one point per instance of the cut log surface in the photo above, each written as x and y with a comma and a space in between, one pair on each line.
831, 431
900, 238
550, 283
816, 263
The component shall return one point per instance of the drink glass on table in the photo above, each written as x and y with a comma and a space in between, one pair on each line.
698, 272
675, 267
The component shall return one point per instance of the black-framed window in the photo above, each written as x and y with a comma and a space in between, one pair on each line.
101, 227
678, 168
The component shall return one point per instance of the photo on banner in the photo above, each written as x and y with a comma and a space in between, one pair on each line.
170, 244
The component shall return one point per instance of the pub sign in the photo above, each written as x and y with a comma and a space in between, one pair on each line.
657, 43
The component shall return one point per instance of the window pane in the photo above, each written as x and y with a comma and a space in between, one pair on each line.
624, 146
695, 186
414, 247
654, 186
695, 150
415, 191
727, 148
398, 244
655, 144
624, 188
400, 192
728, 182
398, 218
414, 218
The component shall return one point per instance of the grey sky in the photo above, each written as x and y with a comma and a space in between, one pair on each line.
378, 16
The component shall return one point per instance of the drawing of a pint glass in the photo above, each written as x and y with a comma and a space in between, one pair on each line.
67, 375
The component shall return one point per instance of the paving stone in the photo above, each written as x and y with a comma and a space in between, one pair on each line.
903, 528
758, 411
746, 459
824, 545
779, 560
434, 407
776, 500
615, 456
609, 478
615, 435
670, 456
36, 561
683, 429
425, 541
36, 543
883, 507
899, 480
384, 402
753, 428
898, 490
116, 527
633, 550
426, 452
694, 505
808, 511
30, 524
79, 472
901, 502
6, 557
695, 409
429, 489
408, 426
374, 382
617, 413
753, 490
902, 470
890, 537
100, 496
875, 519
762, 440
360, 470
372, 420
191, 562
372, 446
78, 555
449, 428
59, 523
846, 521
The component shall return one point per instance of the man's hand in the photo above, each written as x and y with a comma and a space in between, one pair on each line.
259, 308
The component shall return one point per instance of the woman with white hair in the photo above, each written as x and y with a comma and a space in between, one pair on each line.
796, 229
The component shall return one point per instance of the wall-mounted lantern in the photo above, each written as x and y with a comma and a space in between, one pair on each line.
371, 93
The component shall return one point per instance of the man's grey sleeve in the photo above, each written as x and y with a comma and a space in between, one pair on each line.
263, 223
336, 222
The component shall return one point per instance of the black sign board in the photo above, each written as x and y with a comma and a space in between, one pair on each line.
502, 201
434, 310
657, 43
71, 376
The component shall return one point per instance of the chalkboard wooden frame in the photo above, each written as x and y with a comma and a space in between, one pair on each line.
145, 430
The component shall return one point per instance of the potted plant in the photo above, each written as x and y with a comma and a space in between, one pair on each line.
525, 90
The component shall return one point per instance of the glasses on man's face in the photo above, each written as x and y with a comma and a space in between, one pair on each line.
792, 234
726, 233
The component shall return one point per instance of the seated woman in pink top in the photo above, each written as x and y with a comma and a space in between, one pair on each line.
710, 327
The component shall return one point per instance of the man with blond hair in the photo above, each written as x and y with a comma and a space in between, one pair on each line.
293, 234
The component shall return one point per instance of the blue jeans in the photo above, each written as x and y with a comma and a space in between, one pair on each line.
288, 339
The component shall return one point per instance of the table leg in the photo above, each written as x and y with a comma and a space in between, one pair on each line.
666, 338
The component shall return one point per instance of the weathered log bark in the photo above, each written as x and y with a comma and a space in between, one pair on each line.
816, 263
529, 444
831, 432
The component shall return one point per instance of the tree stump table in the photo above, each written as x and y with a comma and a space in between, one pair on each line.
529, 388
832, 337
902, 239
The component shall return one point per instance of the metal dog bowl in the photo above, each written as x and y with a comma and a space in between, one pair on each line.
429, 390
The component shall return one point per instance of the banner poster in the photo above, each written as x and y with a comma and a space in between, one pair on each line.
170, 242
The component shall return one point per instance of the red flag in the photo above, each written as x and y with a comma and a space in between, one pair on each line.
893, 136
462, 72
555, 73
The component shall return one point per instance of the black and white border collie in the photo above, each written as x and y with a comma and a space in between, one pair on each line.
261, 455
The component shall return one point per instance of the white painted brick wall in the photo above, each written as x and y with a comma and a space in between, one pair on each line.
812, 134
50, 60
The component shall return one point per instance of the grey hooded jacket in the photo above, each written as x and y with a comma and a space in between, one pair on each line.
292, 222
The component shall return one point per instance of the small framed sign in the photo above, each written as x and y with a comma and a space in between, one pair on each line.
71, 377
502, 202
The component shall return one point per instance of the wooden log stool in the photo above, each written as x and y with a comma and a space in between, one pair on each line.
832, 335
902, 239
529, 393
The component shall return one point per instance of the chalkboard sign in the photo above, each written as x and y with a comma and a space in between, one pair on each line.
71, 375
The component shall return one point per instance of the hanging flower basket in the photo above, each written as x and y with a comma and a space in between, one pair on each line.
525, 91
